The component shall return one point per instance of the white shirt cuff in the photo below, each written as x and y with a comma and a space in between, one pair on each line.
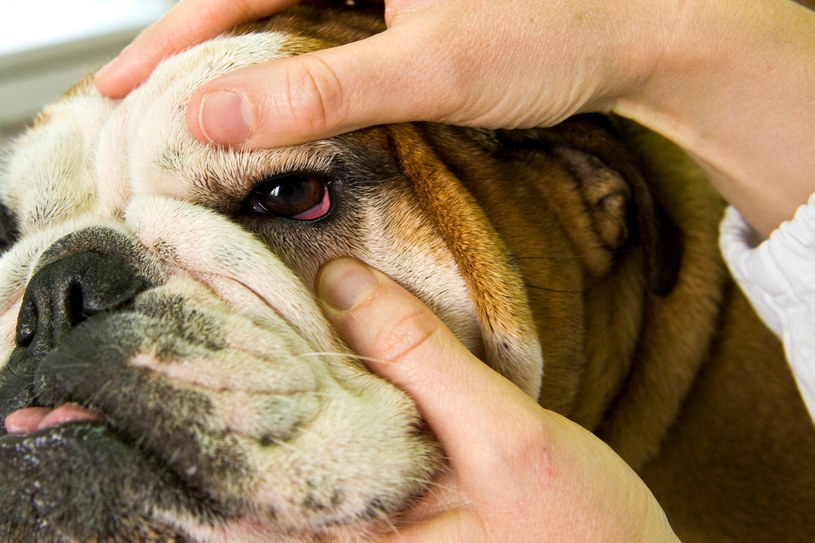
778, 277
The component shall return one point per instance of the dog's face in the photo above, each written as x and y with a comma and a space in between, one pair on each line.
169, 376
167, 285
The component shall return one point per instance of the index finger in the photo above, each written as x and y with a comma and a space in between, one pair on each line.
187, 23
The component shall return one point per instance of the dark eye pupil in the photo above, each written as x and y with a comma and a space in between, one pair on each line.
289, 196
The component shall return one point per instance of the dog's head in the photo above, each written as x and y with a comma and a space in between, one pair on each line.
167, 285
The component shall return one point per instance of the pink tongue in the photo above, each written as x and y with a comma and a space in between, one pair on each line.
30, 419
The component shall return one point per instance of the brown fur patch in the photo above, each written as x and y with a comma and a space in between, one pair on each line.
479, 253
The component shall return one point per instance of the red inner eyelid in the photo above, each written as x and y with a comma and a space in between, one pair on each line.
317, 211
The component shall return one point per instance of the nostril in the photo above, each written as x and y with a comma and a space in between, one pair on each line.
26, 324
49, 310
74, 308
68, 291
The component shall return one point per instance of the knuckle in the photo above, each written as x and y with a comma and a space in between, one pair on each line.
531, 443
248, 9
413, 334
395, 9
314, 93
526, 447
446, 73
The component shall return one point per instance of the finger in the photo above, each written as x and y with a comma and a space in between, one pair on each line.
382, 79
189, 22
408, 345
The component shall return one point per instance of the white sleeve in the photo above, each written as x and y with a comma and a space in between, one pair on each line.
778, 277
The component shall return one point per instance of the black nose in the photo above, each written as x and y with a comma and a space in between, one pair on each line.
67, 291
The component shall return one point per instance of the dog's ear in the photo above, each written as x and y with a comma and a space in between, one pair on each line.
622, 209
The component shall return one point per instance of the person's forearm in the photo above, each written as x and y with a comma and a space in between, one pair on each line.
736, 89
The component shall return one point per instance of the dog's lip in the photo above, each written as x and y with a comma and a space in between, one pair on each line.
30, 419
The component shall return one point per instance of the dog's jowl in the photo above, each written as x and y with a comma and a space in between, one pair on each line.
166, 374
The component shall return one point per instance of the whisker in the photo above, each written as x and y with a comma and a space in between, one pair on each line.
430, 483
326, 353
560, 291
549, 258
387, 520
287, 445
346, 355
564, 258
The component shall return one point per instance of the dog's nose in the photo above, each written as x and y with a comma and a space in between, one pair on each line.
67, 291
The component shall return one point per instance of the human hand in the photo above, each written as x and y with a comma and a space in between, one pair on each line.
683, 70
524, 473
437, 61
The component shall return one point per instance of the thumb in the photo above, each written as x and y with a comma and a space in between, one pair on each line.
396, 334
402, 340
321, 94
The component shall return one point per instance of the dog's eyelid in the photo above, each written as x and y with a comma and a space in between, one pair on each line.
319, 159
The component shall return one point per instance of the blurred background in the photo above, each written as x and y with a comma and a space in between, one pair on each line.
47, 45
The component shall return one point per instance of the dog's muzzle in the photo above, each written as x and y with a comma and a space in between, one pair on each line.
71, 305
167, 400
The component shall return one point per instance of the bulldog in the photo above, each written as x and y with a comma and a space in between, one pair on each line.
157, 315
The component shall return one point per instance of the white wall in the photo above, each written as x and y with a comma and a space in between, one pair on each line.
46, 45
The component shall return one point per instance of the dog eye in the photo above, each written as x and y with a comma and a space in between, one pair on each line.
303, 197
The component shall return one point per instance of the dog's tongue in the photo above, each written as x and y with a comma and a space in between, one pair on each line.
31, 419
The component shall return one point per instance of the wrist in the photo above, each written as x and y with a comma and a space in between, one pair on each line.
732, 87
630, 52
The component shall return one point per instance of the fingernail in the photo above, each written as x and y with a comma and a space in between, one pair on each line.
345, 283
224, 117
114, 65
107, 69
